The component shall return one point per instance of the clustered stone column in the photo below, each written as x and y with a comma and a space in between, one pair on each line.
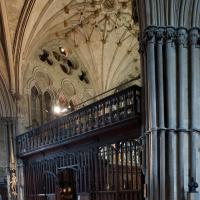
171, 73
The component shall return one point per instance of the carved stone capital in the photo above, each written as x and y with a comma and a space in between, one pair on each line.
193, 36
182, 36
159, 33
149, 34
170, 33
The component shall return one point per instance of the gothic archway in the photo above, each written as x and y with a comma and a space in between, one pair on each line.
36, 111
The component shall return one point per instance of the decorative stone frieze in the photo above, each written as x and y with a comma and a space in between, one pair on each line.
179, 36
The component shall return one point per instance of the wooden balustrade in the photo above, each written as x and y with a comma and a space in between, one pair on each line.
108, 111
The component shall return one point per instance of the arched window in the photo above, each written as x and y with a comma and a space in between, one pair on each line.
36, 110
48, 106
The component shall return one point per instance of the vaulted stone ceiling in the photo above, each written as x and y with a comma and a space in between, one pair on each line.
99, 36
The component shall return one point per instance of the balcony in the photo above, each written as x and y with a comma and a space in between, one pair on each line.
108, 112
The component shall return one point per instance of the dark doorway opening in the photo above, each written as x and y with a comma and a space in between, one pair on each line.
67, 184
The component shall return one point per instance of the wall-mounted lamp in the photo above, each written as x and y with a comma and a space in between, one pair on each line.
63, 51
57, 109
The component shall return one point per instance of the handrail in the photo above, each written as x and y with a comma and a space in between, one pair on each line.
107, 111
114, 88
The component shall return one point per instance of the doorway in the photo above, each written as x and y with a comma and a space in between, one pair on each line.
67, 184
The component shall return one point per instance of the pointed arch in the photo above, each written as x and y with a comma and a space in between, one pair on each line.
36, 107
48, 102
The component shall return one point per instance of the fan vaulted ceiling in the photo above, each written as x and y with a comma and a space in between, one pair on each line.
99, 37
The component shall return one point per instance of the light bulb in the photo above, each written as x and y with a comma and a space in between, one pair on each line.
57, 109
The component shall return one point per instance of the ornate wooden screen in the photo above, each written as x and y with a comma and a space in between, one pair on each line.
109, 111
108, 172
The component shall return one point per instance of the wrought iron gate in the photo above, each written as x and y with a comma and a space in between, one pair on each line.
106, 172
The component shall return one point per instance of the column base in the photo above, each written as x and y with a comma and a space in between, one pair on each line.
193, 196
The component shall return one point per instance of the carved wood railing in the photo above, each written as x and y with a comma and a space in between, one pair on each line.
108, 111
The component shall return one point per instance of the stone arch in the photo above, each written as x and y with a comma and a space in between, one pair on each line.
52, 92
68, 88
33, 83
36, 106
42, 79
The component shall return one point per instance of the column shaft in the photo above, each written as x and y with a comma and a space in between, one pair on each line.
153, 116
182, 107
160, 99
172, 95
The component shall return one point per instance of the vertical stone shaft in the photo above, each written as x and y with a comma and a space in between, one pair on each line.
154, 189
193, 34
171, 57
147, 138
171, 109
145, 117
177, 63
160, 100
182, 106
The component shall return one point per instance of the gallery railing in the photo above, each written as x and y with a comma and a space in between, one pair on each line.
108, 111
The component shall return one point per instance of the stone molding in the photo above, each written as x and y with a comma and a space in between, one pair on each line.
169, 34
